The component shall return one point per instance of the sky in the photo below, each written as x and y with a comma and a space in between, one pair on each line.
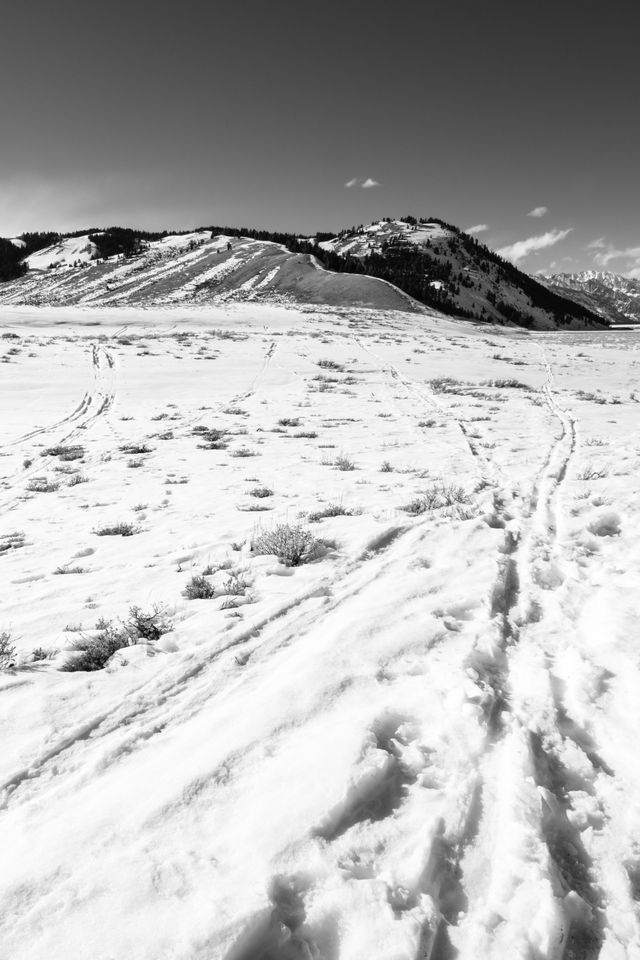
515, 119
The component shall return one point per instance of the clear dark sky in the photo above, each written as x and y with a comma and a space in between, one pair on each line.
171, 114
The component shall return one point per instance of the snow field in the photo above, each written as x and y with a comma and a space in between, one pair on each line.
421, 744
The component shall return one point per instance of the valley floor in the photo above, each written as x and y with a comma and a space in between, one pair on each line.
422, 743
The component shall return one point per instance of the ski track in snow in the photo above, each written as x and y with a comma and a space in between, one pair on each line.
410, 748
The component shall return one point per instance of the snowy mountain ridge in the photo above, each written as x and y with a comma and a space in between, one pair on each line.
612, 296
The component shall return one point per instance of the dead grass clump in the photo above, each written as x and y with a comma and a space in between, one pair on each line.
332, 510
117, 530
64, 453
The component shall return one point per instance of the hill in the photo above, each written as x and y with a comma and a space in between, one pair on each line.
444, 267
188, 268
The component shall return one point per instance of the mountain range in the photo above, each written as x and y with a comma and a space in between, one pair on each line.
613, 297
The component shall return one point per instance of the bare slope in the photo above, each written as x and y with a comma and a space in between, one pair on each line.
192, 268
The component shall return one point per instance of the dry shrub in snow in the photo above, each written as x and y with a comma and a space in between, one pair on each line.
344, 463
42, 485
330, 365
292, 545
117, 530
442, 495
332, 510
199, 588
507, 383
7, 650
261, 492
75, 452
93, 652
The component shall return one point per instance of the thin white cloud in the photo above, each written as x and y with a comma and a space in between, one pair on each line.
479, 228
607, 253
538, 212
368, 183
598, 244
352, 182
522, 248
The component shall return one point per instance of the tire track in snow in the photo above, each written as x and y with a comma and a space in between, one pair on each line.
490, 472
94, 404
533, 801
160, 692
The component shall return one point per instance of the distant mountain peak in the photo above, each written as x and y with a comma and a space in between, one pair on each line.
614, 297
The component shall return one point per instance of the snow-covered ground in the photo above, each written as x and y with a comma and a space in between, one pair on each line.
422, 743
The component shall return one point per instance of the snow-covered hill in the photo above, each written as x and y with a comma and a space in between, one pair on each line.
421, 742
614, 297
389, 264
191, 268
447, 268
70, 252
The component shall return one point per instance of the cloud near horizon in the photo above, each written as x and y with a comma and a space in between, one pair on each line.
607, 252
364, 184
538, 212
479, 228
522, 248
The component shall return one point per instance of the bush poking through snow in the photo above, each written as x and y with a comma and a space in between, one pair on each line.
330, 365
344, 463
591, 473
64, 453
199, 588
243, 452
7, 651
42, 485
149, 626
135, 448
332, 510
292, 545
261, 492
117, 530
235, 586
442, 495
507, 383
43, 653
213, 438
93, 653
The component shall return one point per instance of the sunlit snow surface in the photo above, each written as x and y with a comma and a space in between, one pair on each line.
424, 744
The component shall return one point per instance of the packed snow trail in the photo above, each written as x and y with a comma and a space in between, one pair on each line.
420, 745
